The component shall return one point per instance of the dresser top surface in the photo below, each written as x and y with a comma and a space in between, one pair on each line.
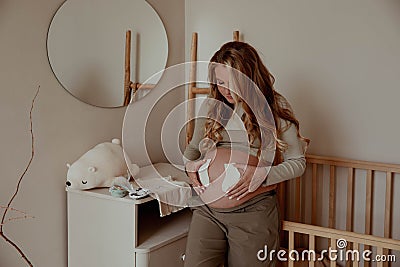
105, 194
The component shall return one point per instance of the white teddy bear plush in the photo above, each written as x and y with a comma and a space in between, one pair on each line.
99, 167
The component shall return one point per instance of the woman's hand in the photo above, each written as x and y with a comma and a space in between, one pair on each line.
251, 177
192, 168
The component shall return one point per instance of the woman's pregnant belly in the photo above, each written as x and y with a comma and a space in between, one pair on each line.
214, 195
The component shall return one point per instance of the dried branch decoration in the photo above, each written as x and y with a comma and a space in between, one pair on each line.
8, 207
23, 215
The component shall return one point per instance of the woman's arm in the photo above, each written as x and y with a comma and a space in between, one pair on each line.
192, 151
294, 161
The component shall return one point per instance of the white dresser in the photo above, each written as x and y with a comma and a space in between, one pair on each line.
118, 232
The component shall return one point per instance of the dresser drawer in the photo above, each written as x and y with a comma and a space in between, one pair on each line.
168, 255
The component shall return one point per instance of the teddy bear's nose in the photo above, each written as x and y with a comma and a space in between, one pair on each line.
68, 183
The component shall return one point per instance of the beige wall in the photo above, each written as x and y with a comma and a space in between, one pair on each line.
336, 61
64, 127
338, 64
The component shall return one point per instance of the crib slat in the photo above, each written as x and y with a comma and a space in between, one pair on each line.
368, 208
388, 205
350, 200
297, 205
386, 263
303, 190
333, 246
379, 251
350, 205
332, 197
368, 203
297, 200
281, 194
291, 247
386, 252
356, 247
311, 247
388, 211
314, 194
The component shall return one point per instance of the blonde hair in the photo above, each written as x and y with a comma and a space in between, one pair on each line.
244, 59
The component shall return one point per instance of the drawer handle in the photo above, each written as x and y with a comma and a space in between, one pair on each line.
183, 257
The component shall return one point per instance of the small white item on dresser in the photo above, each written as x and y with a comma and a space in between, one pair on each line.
139, 193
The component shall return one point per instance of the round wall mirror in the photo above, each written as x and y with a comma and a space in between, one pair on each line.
86, 46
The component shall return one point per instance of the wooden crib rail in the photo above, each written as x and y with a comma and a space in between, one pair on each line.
355, 164
333, 164
355, 239
352, 165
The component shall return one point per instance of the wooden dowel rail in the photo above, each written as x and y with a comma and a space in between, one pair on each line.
236, 35
320, 231
356, 164
200, 91
192, 85
137, 86
130, 87
355, 239
127, 79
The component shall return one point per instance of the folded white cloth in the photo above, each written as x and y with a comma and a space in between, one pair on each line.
167, 184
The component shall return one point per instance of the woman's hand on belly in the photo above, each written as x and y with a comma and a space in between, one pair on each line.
251, 178
214, 194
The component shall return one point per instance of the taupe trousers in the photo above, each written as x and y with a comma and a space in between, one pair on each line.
233, 237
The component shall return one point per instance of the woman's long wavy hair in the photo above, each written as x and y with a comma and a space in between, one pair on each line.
247, 72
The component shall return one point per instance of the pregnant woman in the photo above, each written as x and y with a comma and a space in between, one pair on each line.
248, 142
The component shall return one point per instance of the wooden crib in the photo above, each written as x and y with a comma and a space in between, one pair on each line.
306, 226
302, 230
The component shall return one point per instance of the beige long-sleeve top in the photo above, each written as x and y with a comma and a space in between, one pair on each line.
294, 161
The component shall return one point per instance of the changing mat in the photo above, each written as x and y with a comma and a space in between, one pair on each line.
169, 185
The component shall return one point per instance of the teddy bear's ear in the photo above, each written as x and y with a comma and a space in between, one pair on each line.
68, 165
92, 169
